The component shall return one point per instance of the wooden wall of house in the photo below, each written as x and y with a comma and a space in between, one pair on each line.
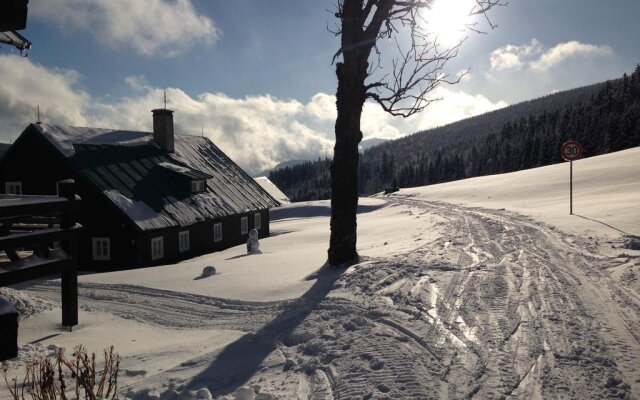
265, 230
100, 218
201, 238
200, 242
34, 162
232, 234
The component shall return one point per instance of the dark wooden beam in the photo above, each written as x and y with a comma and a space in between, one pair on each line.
25, 239
27, 206
69, 282
33, 270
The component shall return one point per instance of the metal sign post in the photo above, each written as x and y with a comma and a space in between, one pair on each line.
570, 187
571, 150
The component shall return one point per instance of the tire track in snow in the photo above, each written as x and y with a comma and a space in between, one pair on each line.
535, 321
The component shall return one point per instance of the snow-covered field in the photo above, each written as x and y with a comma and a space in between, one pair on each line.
482, 288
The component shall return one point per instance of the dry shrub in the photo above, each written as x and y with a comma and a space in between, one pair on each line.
45, 379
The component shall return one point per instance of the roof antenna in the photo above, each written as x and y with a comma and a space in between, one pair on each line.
38, 120
203, 129
165, 99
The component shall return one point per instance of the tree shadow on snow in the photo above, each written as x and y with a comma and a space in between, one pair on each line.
312, 210
240, 360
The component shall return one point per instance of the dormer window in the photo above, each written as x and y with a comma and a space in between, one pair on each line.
189, 179
197, 186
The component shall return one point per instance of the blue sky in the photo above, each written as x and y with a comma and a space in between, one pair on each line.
256, 76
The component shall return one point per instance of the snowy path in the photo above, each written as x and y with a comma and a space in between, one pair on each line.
496, 306
499, 306
545, 318
166, 308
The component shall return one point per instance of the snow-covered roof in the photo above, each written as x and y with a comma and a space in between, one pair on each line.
140, 178
190, 173
65, 137
272, 189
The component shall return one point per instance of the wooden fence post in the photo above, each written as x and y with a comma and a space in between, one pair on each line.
69, 285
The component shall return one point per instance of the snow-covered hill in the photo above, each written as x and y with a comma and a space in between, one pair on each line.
482, 288
605, 193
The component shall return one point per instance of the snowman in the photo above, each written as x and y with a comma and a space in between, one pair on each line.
253, 246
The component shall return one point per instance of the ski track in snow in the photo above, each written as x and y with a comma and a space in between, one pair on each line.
499, 307
167, 308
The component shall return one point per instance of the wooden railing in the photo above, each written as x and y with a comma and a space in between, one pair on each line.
32, 225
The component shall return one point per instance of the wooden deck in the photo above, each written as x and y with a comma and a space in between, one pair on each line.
30, 229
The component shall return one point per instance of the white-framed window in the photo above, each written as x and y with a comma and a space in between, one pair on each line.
157, 248
13, 187
197, 186
217, 232
101, 248
257, 222
183, 241
244, 225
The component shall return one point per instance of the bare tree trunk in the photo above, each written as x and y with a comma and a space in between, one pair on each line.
350, 99
414, 73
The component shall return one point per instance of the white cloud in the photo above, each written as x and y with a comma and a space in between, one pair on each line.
505, 58
256, 131
137, 82
26, 85
533, 55
150, 27
375, 123
564, 51
454, 106
322, 107
514, 57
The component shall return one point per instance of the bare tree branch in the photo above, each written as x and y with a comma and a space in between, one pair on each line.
415, 73
417, 70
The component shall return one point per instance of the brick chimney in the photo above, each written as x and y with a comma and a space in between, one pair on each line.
163, 128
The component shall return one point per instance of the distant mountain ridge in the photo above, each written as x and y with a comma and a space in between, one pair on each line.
366, 144
604, 117
288, 163
283, 164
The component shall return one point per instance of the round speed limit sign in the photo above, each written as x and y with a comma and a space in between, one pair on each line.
571, 150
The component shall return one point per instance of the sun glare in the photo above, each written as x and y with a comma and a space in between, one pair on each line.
447, 19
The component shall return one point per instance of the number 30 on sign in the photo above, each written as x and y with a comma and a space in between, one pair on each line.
571, 150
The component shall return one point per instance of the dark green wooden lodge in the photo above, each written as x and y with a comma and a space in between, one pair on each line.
147, 198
